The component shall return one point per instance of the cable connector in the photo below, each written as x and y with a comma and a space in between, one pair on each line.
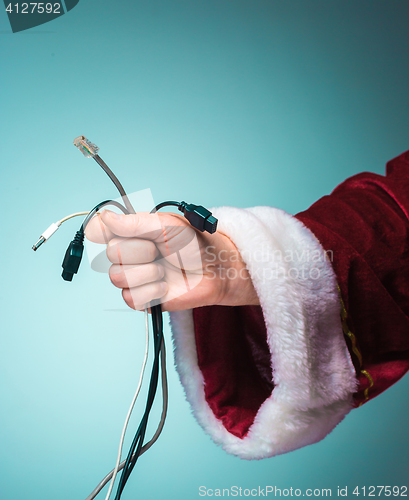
46, 235
199, 217
86, 147
73, 256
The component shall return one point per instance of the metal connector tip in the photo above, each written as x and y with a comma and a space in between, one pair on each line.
87, 148
39, 243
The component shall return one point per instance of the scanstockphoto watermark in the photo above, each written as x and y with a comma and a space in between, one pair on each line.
262, 274
341, 491
265, 264
266, 491
265, 254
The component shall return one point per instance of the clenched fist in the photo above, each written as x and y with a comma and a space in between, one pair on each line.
160, 258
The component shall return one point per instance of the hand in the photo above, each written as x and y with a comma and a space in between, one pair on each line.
161, 258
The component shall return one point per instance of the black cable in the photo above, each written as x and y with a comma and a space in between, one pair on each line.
136, 446
200, 215
166, 204
137, 443
115, 180
71, 264
201, 219
75, 250
154, 438
98, 207
157, 323
197, 215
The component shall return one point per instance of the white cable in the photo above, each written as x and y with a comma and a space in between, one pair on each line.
71, 216
121, 441
146, 446
43, 238
53, 228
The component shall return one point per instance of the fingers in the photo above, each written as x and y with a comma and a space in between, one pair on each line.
138, 297
133, 276
131, 251
97, 231
156, 227
132, 225
134, 243
106, 225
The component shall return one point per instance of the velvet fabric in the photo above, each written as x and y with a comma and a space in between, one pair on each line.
235, 363
364, 227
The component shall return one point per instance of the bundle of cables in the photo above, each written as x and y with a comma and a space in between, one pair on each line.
200, 218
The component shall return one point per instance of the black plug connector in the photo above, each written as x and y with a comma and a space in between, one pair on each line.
73, 256
199, 217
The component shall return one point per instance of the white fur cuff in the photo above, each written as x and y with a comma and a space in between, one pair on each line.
313, 375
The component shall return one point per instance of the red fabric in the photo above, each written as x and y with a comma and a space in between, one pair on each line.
364, 224
234, 359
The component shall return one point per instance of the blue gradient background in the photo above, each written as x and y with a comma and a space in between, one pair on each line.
224, 102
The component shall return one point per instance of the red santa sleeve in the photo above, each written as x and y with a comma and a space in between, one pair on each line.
332, 329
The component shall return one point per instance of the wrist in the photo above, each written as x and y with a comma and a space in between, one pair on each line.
234, 284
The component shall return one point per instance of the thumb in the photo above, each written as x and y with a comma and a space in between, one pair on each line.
142, 224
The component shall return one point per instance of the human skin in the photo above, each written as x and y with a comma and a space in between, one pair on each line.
143, 249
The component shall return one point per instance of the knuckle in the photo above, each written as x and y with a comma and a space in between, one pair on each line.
134, 224
151, 251
113, 251
160, 271
158, 290
127, 296
116, 276
154, 272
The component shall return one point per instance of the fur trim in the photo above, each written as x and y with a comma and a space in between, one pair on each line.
313, 374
